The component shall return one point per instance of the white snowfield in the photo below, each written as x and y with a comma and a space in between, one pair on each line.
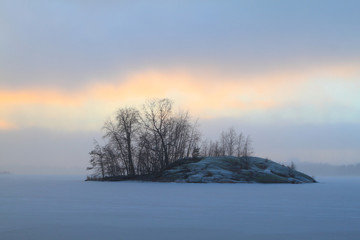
63, 207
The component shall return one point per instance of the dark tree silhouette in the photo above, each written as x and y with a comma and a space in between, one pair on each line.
148, 141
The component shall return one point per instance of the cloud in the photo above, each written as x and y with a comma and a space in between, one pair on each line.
64, 44
325, 93
5, 125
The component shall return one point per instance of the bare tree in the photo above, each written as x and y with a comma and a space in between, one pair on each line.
222, 146
228, 141
97, 160
194, 136
247, 151
205, 148
215, 149
127, 127
113, 135
239, 145
179, 136
156, 118
111, 163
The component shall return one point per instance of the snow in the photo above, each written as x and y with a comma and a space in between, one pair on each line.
227, 169
66, 207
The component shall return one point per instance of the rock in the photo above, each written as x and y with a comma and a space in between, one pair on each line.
231, 170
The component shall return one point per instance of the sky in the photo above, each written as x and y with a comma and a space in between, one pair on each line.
287, 73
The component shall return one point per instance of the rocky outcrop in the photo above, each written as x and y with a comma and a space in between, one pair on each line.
231, 170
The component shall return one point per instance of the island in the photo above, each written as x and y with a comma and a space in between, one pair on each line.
225, 169
154, 143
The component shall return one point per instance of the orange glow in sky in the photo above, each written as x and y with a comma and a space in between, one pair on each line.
205, 95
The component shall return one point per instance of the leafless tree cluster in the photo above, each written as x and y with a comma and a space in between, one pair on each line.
146, 141
140, 142
230, 143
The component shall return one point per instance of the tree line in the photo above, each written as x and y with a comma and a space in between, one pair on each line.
147, 141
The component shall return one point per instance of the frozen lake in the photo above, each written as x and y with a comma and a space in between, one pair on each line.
66, 207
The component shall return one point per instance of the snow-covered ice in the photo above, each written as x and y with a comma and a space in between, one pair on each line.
63, 207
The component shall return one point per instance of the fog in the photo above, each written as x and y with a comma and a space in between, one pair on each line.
40, 151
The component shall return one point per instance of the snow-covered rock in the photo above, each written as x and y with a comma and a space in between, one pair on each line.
231, 170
